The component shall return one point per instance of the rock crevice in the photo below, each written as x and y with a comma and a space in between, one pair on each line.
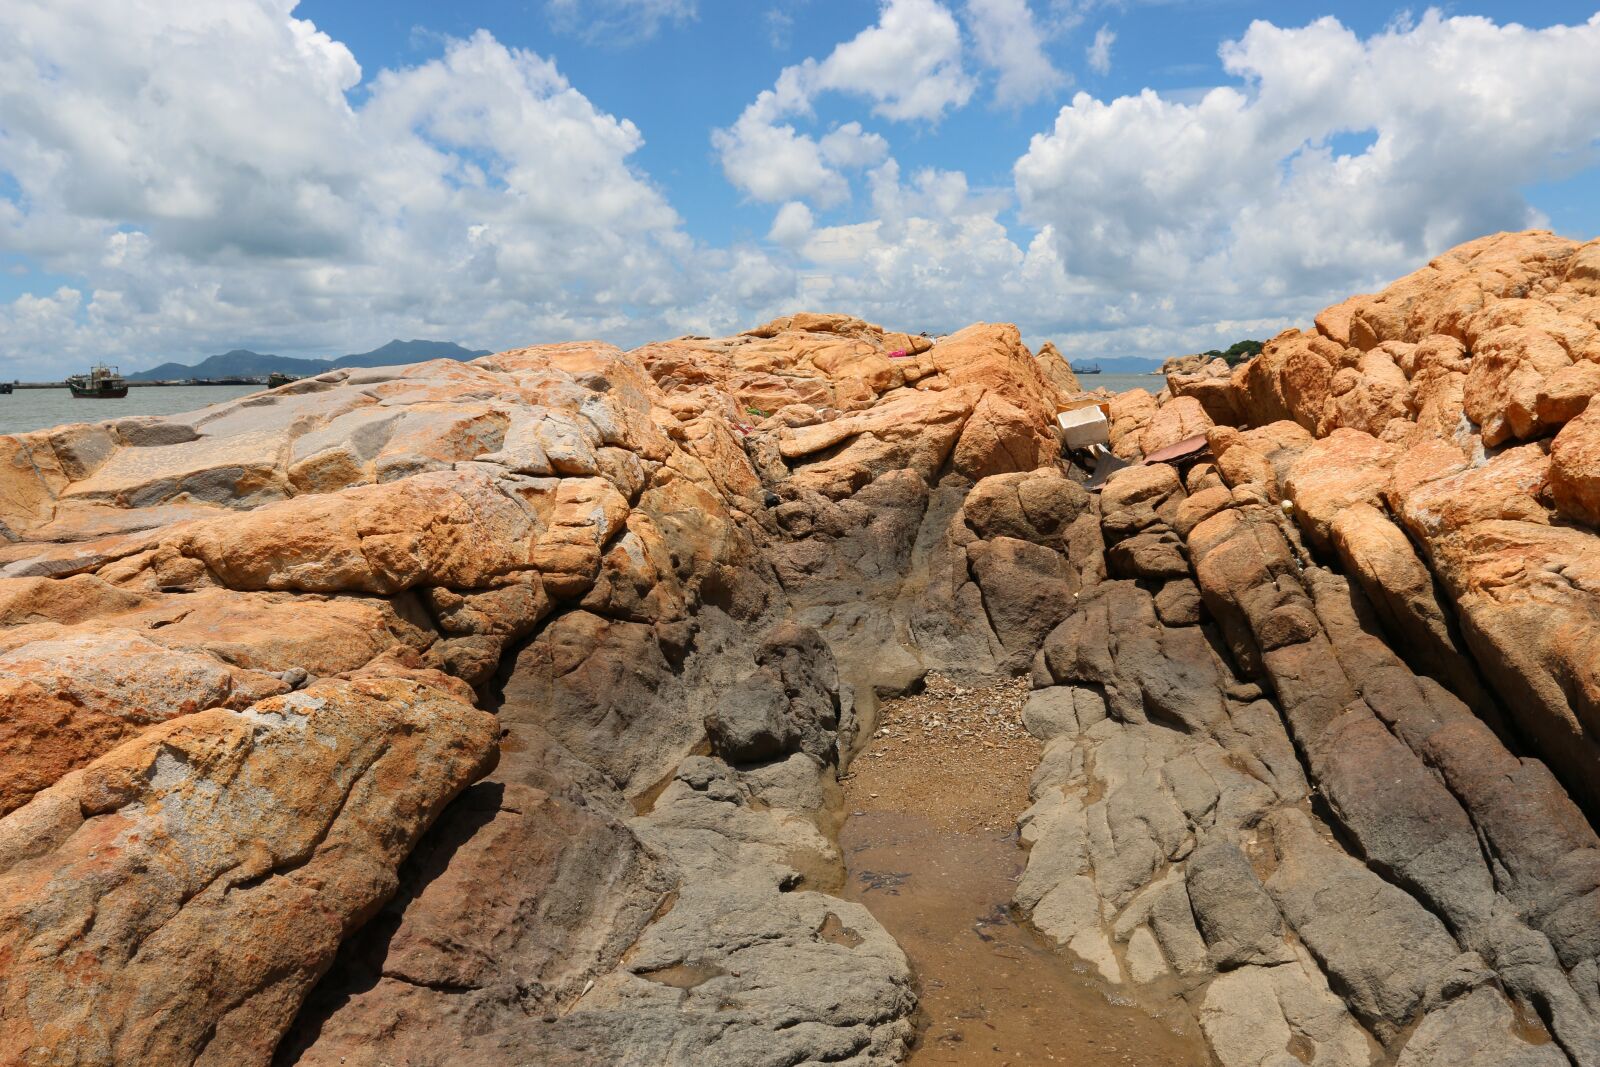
434, 714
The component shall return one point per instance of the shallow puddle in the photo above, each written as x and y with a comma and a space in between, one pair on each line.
992, 992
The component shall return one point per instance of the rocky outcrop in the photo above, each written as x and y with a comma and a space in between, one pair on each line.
1254, 802
437, 714
174, 900
250, 655
1390, 548
1054, 366
1454, 474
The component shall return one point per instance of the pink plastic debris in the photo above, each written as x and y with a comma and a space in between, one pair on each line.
899, 353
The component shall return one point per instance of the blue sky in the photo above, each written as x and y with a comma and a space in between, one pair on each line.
693, 75
1125, 178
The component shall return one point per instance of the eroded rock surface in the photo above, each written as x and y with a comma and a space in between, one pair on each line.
653, 591
1392, 554
476, 713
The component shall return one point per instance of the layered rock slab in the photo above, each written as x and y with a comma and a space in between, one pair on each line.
1466, 385
1176, 841
280, 826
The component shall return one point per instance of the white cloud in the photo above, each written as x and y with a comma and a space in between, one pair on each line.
908, 64
1237, 200
791, 225
208, 200
617, 22
1099, 51
1007, 38
771, 161
850, 146
1159, 226
195, 201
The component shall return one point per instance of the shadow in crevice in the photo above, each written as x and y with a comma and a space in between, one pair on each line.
358, 966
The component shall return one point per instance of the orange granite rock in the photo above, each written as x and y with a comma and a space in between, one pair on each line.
173, 901
1457, 400
1575, 467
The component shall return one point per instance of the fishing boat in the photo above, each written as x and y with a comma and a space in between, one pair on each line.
1085, 368
102, 382
6, 387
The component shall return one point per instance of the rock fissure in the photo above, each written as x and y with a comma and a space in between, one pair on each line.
1236, 704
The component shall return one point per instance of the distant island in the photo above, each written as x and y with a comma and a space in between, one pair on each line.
1236, 353
242, 363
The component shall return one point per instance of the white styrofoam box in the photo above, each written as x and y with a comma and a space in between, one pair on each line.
1085, 426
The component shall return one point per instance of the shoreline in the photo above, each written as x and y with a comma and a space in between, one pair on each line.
178, 383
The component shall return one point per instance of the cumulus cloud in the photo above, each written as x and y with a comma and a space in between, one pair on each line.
850, 146
791, 225
909, 64
195, 201
1156, 226
1099, 50
1008, 39
1245, 193
771, 161
206, 200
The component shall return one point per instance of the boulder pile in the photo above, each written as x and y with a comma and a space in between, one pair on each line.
443, 713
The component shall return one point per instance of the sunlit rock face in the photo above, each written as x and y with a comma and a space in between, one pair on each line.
492, 712
1455, 404
251, 654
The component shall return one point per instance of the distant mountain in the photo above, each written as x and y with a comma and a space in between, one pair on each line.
242, 363
408, 352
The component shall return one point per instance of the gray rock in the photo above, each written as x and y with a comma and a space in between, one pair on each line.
789, 704
1281, 1017
148, 431
1178, 603
751, 722
1027, 589
1240, 922
1051, 713
1479, 1030
1389, 954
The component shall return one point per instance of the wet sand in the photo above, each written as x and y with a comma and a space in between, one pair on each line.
929, 848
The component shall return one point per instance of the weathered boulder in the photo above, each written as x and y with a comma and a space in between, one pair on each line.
1377, 554
1344, 469
1130, 412
154, 909
1055, 368
1180, 418
68, 701
1209, 383
1035, 506
1027, 588
789, 704
1575, 467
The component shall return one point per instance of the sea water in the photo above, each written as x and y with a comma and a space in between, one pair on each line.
37, 409
1118, 383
